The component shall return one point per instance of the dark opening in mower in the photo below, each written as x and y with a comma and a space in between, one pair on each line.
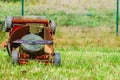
31, 38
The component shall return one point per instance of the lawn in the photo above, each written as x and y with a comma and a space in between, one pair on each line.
85, 57
85, 37
76, 65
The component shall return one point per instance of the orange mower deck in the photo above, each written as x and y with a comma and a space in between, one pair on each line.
31, 38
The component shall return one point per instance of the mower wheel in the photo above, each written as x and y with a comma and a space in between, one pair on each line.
52, 26
14, 56
57, 59
8, 23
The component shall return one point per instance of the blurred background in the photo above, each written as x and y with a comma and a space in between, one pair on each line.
80, 23
64, 12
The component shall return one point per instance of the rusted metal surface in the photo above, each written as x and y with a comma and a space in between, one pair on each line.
22, 26
18, 32
24, 58
23, 20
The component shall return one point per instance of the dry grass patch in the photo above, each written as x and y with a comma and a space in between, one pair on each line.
71, 6
77, 37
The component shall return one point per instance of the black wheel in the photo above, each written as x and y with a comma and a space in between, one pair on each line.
14, 56
52, 26
8, 23
57, 59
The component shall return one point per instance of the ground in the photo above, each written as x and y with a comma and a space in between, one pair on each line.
85, 37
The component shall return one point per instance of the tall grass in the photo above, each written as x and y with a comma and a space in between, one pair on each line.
87, 38
65, 14
76, 13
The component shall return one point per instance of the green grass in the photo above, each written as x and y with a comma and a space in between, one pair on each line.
87, 57
86, 40
90, 17
76, 65
3, 36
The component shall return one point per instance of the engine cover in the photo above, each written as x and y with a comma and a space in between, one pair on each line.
32, 38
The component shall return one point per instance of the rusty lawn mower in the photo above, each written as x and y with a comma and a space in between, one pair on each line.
31, 38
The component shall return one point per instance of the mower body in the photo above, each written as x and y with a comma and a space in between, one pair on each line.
31, 38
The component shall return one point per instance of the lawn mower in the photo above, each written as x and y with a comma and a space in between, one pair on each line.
31, 38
